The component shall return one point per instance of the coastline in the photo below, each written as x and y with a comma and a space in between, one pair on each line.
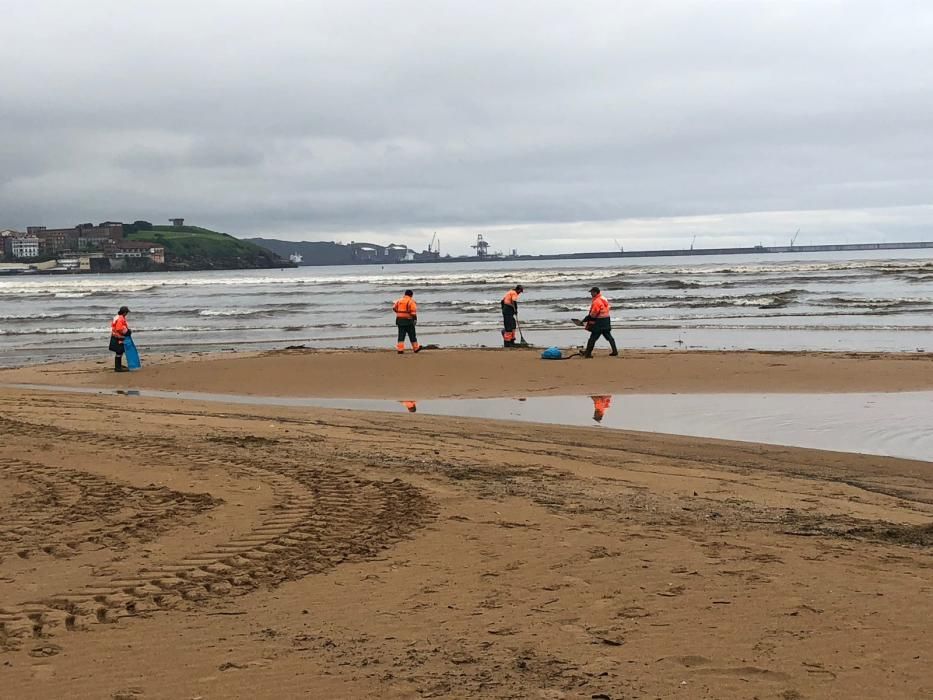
261, 551
824, 302
426, 257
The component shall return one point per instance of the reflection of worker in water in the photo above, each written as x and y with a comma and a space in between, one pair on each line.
410, 405
601, 404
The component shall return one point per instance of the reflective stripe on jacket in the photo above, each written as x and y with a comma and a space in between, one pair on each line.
405, 308
600, 307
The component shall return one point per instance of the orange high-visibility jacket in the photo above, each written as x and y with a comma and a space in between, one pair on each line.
118, 327
511, 299
405, 308
600, 307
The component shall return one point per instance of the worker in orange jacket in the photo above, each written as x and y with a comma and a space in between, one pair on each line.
411, 406
598, 323
601, 404
406, 316
119, 331
509, 312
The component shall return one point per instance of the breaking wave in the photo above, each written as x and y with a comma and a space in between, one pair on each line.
267, 312
243, 307
869, 303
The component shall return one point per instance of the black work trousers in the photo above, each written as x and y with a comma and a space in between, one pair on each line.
602, 328
407, 329
508, 318
116, 347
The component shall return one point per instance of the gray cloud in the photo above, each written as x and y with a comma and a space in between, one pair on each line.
552, 122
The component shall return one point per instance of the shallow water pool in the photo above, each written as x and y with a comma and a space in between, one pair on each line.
893, 424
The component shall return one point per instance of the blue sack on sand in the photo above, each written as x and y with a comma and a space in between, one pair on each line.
132, 354
551, 353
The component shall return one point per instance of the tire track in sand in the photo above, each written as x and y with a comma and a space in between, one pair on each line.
36, 521
320, 517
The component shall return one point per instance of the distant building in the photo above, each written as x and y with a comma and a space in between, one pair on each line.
81, 237
72, 264
366, 252
56, 240
16, 244
99, 237
24, 246
374, 253
396, 253
139, 249
86, 262
177, 223
6, 240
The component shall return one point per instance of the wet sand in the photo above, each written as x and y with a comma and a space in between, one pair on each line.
153, 548
494, 373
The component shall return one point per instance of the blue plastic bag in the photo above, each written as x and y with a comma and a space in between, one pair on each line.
132, 354
552, 353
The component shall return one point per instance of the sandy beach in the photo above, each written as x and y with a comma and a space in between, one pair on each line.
462, 373
156, 548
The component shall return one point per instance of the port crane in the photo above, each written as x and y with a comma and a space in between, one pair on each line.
619, 245
694, 241
431, 246
481, 246
794, 239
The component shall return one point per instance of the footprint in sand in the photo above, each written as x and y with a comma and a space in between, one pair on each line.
704, 666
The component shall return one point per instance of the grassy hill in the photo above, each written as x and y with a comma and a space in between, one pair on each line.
196, 248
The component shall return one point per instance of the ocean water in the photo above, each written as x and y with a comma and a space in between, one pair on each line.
853, 301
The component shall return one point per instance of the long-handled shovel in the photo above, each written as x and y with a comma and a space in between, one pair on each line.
521, 337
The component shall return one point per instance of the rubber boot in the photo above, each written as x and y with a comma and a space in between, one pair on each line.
118, 364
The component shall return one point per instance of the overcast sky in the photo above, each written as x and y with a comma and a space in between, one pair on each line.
548, 126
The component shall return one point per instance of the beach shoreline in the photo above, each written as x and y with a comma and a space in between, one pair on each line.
861, 302
220, 550
479, 373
